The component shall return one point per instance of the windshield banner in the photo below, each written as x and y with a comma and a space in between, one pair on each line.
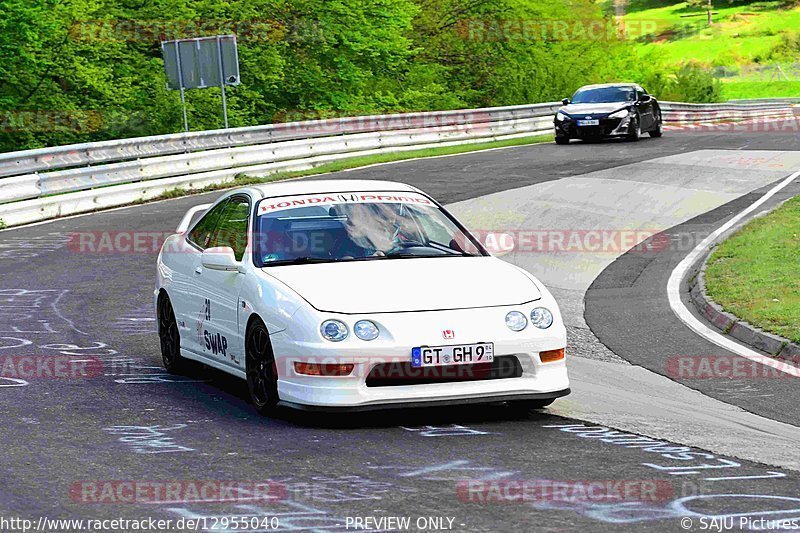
270, 205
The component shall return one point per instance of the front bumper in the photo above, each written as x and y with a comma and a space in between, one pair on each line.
608, 127
372, 383
427, 403
531, 378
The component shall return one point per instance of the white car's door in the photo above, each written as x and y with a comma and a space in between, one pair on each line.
184, 287
217, 291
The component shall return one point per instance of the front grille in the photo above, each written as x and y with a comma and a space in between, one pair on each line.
605, 128
395, 374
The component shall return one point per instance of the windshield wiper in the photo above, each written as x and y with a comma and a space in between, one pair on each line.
306, 260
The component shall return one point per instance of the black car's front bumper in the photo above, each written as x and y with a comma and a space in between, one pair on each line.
607, 127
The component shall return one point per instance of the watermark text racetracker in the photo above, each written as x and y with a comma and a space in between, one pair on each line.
15, 367
323, 123
541, 241
42, 120
175, 491
773, 121
29, 367
155, 30
573, 29
541, 490
727, 367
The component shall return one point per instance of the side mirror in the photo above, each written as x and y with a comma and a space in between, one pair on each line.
220, 258
565, 101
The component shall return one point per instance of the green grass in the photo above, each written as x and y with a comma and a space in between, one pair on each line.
740, 33
756, 273
355, 162
743, 90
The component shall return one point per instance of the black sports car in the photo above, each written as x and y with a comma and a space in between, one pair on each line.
608, 110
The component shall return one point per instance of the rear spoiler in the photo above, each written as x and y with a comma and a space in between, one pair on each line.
187, 218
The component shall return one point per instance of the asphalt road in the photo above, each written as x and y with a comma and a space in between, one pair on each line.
63, 438
627, 308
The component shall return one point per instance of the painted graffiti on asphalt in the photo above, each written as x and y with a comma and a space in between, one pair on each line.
149, 439
676, 460
30, 247
453, 430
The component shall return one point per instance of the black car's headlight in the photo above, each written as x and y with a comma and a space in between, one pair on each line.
622, 113
561, 117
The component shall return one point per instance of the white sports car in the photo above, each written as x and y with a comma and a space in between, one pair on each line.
354, 295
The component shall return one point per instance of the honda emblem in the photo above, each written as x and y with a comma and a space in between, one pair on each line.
448, 334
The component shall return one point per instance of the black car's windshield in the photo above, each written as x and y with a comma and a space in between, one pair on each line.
604, 95
338, 227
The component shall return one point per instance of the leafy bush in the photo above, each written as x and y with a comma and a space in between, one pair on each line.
62, 59
692, 83
787, 49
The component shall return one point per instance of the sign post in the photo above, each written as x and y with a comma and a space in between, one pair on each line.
222, 83
199, 63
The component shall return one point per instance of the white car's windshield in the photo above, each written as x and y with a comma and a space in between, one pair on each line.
321, 228
604, 95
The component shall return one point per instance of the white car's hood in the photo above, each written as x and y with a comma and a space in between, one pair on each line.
419, 284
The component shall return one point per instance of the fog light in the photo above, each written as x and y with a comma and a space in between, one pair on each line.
324, 369
552, 355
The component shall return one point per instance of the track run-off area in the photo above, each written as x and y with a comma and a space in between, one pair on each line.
641, 443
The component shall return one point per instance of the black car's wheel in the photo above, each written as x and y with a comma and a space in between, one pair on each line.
659, 129
561, 139
262, 372
169, 336
635, 129
525, 406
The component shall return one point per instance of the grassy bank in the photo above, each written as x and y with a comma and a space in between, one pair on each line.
742, 90
756, 273
741, 31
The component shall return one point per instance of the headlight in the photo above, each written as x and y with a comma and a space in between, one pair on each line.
561, 117
622, 113
542, 318
516, 321
366, 330
333, 330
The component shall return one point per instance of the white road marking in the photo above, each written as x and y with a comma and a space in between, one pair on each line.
680, 310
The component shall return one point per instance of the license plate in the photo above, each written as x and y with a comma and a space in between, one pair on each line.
592, 122
457, 354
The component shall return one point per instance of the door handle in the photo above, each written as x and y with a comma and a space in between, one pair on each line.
198, 271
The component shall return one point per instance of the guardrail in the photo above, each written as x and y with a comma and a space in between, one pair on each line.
126, 149
64, 180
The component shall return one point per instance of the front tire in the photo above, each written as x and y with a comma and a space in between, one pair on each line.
562, 139
262, 372
635, 129
169, 336
659, 131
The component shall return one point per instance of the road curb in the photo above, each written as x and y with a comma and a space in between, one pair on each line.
730, 325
